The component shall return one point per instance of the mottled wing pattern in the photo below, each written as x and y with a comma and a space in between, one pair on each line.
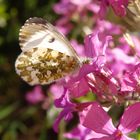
43, 66
46, 55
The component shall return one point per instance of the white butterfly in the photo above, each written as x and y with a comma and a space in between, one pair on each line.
46, 54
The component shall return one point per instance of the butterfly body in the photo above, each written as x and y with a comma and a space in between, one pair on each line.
46, 54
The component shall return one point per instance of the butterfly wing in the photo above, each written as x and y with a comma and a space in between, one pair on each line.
38, 32
43, 66
46, 54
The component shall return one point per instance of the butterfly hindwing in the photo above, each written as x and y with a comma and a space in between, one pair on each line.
43, 66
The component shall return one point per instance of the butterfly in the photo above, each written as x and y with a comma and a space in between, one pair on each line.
46, 56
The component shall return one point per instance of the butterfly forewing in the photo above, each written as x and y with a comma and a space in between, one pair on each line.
37, 31
46, 54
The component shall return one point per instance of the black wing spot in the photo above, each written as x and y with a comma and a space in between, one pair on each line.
51, 40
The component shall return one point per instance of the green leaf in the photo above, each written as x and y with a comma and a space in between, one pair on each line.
43, 135
10, 135
52, 112
29, 112
6, 111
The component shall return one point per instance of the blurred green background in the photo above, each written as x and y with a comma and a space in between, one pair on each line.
20, 120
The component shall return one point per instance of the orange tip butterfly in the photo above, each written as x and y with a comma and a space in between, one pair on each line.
46, 54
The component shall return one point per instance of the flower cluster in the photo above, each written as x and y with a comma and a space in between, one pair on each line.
112, 76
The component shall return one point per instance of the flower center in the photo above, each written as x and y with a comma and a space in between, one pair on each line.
118, 135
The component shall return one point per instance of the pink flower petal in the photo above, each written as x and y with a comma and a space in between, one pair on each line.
78, 85
98, 120
130, 120
96, 44
103, 9
63, 25
35, 96
104, 138
79, 48
124, 137
57, 90
66, 114
64, 7
80, 3
119, 6
79, 88
79, 133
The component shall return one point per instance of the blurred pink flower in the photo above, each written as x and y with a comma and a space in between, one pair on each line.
119, 7
57, 90
68, 7
107, 27
98, 120
80, 133
79, 48
63, 25
119, 61
80, 2
35, 96
73, 11
64, 7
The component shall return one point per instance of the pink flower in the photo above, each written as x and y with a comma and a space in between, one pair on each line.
80, 3
96, 44
79, 48
57, 90
80, 133
35, 96
73, 11
103, 84
103, 8
64, 7
68, 108
119, 57
119, 7
98, 120
94, 76
68, 7
63, 25
131, 80
106, 27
